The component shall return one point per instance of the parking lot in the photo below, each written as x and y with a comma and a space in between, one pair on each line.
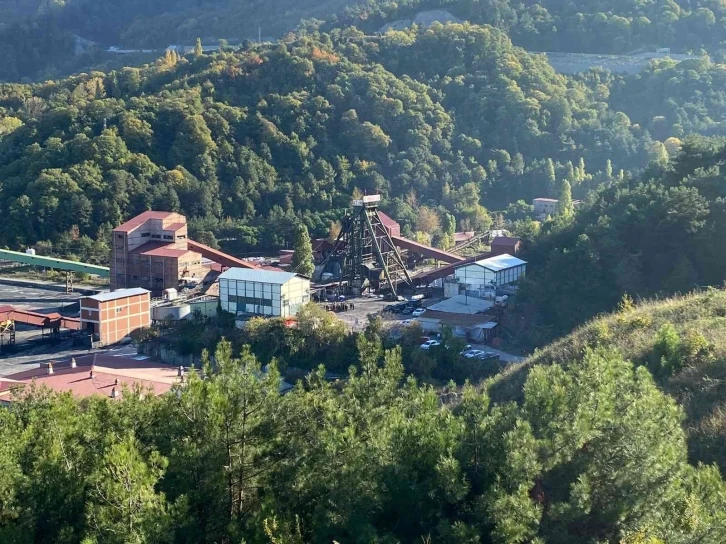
34, 298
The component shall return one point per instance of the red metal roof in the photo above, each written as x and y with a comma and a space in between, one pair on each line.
505, 241
106, 370
140, 219
37, 319
175, 226
387, 221
165, 252
159, 249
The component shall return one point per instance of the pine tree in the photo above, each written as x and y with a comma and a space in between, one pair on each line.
198, 48
302, 260
609, 170
564, 205
570, 176
551, 176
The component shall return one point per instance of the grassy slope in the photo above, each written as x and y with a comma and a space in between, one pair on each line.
700, 388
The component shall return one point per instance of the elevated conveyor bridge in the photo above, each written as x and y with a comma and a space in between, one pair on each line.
69, 267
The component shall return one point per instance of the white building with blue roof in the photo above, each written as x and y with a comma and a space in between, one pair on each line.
482, 278
263, 292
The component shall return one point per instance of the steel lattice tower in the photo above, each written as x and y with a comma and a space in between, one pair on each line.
368, 254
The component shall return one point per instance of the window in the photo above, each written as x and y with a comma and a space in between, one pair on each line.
181, 237
158, 280
156, 236
119, 310
145, 234
167, 237
243, 302
120, 236
119, 247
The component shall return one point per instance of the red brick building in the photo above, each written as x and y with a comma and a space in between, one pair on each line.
112, 316
151, 251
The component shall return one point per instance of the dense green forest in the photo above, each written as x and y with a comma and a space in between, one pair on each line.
593, 453
248, 143
585, 26
659, 234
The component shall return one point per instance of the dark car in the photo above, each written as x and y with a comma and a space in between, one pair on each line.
487, 355
394, 308
408, 310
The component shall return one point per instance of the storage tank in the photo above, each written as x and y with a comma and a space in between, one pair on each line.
160, 313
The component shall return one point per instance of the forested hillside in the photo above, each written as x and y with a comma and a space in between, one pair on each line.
38, 38
661, 234
594, 453
681, 341
584, 26
454, 117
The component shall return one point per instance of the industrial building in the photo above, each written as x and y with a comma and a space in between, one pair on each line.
263, 292
110, 317
482, 278
548, 206
153, 251
150, 251
544, 206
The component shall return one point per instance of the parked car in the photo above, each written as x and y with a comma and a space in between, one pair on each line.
430, 344
487, 355
407, 310
466, 348
418, 312
473, 353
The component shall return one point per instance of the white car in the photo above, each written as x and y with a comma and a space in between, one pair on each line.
418, 312
429, 344
472, 353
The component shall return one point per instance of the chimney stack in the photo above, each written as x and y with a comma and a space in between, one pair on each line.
73, 362
115, 382
113, 393
50, 367
91, 374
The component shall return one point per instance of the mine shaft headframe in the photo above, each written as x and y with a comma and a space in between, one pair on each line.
364, 240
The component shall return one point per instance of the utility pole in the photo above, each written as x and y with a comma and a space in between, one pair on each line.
259, 34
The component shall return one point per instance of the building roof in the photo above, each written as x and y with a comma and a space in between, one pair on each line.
387, 221
500, 262
107, 369
175, 226
546, 200
166, 252
118, 294
456, 319
461, 304
322, 244
142, 218
259, 276
505, 241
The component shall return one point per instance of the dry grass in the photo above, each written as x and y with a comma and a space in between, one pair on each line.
699, 388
